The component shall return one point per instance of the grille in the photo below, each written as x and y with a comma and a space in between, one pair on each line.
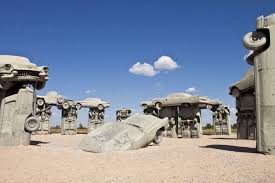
28, 73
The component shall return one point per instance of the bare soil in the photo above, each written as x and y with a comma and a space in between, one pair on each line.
56, 158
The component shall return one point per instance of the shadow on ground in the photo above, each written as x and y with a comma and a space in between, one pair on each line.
37, 143
221, 138
231, 148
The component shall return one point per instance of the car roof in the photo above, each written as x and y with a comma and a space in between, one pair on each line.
11, 59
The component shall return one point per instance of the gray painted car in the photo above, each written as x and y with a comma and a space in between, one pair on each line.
135, 132
246, 84
179, 99
21, 70
94, 102
122, 114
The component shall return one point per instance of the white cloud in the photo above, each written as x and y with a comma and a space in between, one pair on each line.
165, 63
191, 90
88, 91
233, 110
144, 69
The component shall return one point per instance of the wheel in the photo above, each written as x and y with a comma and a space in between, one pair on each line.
254, 40
158, 137
4, 85
65, 105
40, 85
40, 102
78, 106
100, 107
236, 92
158, 105
32, 124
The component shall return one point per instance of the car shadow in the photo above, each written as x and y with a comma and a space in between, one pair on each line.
222, 138
231, 148
37, 143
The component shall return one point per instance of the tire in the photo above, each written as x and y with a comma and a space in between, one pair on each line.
158, 105
40, 85
254, 40
235, 92
78, 106
40, 102
100, 107
158, 137
65, 105
32, 124
4, 85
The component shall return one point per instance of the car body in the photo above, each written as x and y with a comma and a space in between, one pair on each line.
94, 103
246, 84
181, 99
149, 108
122, 114
49, 99
21, 70
66, 104
135, 132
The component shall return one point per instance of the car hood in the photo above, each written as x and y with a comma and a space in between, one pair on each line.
247, 82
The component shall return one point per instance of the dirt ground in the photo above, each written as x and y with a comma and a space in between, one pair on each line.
56, 158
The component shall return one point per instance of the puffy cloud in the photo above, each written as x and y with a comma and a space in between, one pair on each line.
191, 90
144, 69
233, 110
165, 63
88, 92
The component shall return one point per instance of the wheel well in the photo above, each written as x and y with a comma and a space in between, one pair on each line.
231, 89
162, 129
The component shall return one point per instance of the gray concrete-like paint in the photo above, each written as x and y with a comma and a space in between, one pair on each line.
184, 113
122, 114
96, 112
135, 132
261, 43
244, 92
18, 102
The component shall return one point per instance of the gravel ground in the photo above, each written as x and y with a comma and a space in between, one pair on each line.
56, 158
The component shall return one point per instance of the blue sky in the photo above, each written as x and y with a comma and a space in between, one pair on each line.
90, 45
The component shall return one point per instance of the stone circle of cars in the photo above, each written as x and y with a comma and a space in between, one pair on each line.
22, 112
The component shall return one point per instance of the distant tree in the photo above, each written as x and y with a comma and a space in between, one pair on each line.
81, 126
57, 126
234, 126
208, 126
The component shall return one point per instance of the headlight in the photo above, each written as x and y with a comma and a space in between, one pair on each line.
71, 103
100, 107
7, 67
78, 106
40, 102
45, 69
